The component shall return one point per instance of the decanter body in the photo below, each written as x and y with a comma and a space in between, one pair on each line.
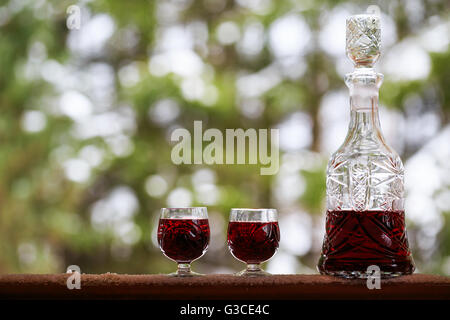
365, 222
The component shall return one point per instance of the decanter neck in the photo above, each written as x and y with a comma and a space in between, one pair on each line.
365, 123
364, 84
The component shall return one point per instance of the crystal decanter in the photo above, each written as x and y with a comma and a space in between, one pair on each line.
365, 223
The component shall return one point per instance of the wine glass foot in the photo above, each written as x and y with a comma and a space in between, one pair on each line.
253, 271
185, 274
247, 273
184, 271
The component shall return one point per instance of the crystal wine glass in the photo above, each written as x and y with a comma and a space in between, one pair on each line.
253, 237
183, 236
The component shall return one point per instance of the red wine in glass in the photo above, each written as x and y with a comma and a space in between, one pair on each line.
356, 240
183, 240
183, 236
253, 242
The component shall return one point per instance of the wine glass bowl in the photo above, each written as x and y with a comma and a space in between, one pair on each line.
183, 236
253, 238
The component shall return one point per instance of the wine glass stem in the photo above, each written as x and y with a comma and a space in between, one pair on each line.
184, 269
253, 267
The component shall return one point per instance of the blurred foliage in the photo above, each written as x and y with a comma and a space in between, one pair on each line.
47, 220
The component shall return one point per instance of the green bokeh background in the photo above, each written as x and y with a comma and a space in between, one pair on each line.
46, 218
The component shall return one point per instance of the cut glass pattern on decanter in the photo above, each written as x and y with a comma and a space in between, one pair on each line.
365, 222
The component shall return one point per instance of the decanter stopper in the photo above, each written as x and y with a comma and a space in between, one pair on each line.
363, 39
